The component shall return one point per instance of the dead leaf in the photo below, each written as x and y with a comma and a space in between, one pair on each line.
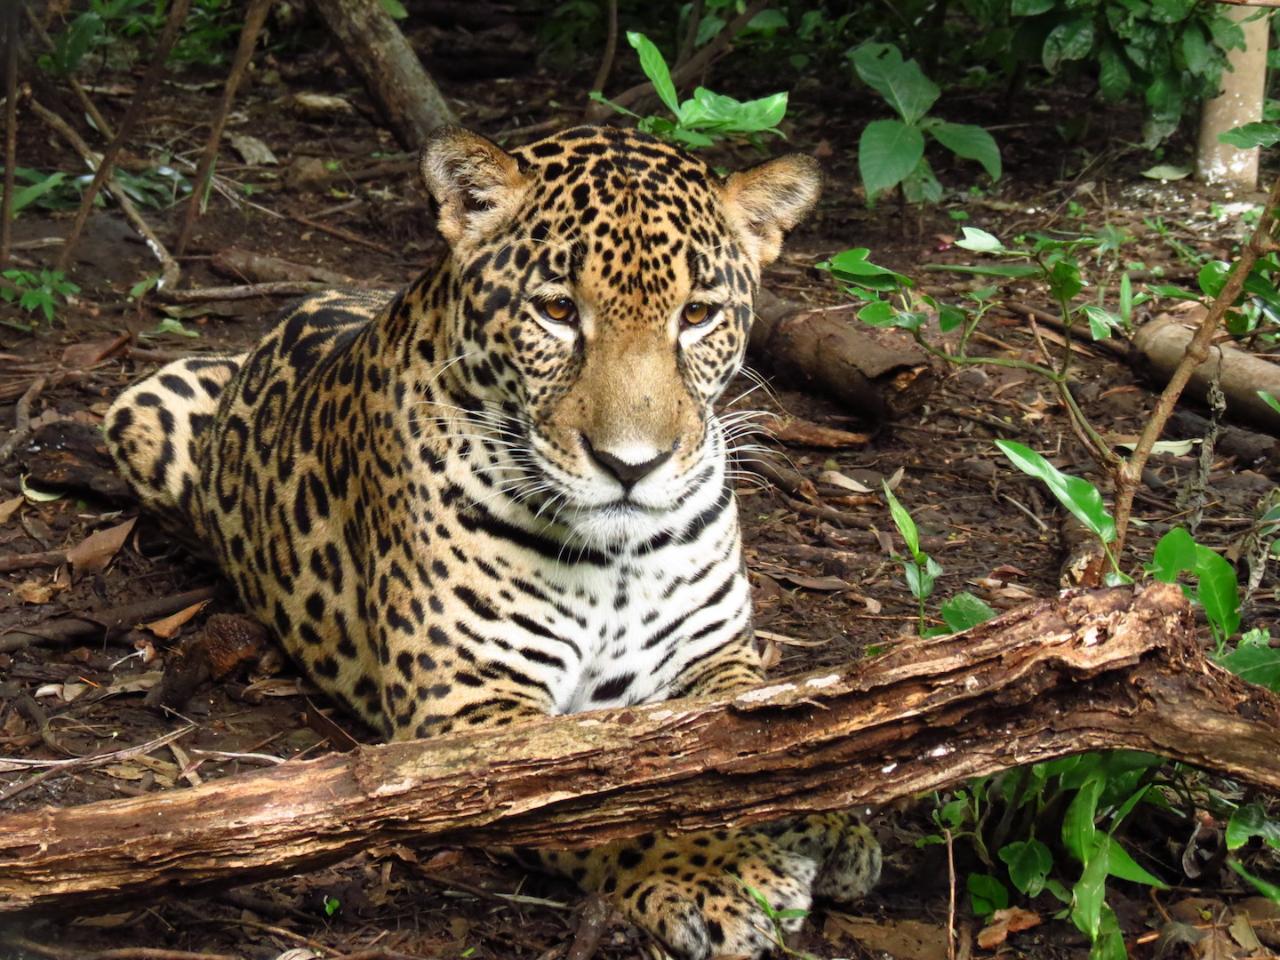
168, 627
36, 591
65, 692
105, 921
804, 582
834, 478
10, 507
900, 939
1264, 917
252, 150
95, 552
139, 683
82, 356
1242, 932
1005, 922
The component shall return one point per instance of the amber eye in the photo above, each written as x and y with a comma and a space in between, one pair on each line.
698, 314
559, 310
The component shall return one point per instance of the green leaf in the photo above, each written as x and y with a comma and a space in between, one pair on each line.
1251, 821
1269, 400
887, 153
29, 195
1075, 493
963, 611
1255, 659
1268, 890
1167, 171
986, 894
655, 68
1217, 591
1030, 8
921, 185
1114, 78
1071, 40
853, 266
1079, 834
1109, 944
1101, 322
1196, 50
979, 241
1089, 893
1124, 867
1126, 300
971, 142
902, 520
1175, 553
394, 8
901, 83
1252, 135
878, 313
949, 318
1029, 863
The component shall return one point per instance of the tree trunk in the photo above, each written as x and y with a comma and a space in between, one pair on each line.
405, 93
1239, 102
1108, 669
880, 374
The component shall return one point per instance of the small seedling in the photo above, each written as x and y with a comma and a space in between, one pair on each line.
35, 292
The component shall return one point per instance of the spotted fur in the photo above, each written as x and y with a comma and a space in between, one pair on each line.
502, 493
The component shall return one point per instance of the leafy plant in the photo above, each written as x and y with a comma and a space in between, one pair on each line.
920, 569
892, 151
46, 191
704, 118
35, 292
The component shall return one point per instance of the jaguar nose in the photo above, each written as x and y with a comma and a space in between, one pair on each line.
628, 469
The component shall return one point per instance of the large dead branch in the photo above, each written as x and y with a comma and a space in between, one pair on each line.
1109, 669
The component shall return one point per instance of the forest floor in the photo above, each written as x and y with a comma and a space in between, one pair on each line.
827, 586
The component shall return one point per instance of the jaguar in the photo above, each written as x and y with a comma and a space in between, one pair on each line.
502, 492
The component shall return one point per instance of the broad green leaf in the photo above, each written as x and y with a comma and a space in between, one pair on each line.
1171, 11
1029, 863
394, 9
1012, 271
979, 241
949, 318
655, 68
1217, 591
1252, 135
1124, 867
887, 153
1251, 821
901, 83
1101, 322
1089, 892
1268, 890
1255, 659
1075, 493
1126, 300
878, 313
971, 142
1167, 171
921, 184
1196, 50
1030, 8
1071, 40
986, 894
1114, 78
28, 195
963, 611
1269, 400
1175, 553
854, 266
1078, 830
1109, 944
902, 520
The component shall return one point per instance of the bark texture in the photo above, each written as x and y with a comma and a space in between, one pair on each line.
405, 93
1107, 669
880, 374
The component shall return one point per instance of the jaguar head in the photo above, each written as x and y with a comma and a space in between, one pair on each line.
604, 297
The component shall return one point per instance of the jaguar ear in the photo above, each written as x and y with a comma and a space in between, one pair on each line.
477, 184
767, 200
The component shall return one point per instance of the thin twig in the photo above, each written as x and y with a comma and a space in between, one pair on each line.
169, 269
22, 419
246, 291
119, 953
104, 169
253, 20
1128, 476
610, 48
98, 119
10, 130
951, 897
342, 234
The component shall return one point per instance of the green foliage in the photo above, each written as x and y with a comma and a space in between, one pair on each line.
706, 117
210, 28
35, 292
920, 569
1216, 590
891, 152
1075, 493
43, 191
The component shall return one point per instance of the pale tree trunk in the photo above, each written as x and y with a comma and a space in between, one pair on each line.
1240, 102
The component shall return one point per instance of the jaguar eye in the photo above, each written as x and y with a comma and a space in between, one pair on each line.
698, 314
559, 310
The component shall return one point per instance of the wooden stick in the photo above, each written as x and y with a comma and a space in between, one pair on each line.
1102, 670
10, 15
102, 622
253, 21
169, 269
104, 170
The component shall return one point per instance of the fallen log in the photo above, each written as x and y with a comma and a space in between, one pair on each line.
1240, 374
880, 374
1106, 669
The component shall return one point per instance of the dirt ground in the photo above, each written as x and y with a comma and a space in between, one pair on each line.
343, 196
